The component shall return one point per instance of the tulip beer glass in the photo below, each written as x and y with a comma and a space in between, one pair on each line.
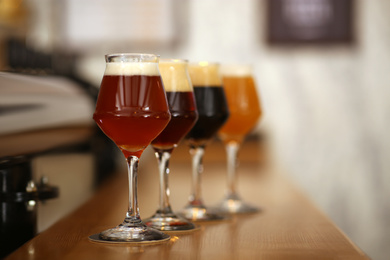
245, 110
132, 110
213, 113
181, 101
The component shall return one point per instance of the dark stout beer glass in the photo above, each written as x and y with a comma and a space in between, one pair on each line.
132, 110
182, 106
213, 112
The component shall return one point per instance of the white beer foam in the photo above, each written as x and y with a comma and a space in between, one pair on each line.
205, 74
236, 70
132, 68
175, 76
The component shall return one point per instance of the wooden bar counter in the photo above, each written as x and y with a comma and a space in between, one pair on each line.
288, 227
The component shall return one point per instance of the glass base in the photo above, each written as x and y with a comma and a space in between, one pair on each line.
201, 213
134, 233
232, 204
169, 222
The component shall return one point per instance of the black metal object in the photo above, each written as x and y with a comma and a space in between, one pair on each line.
18, 197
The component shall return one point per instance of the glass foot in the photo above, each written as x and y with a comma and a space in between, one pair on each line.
136, 233
201, 213
234, 205
169, 222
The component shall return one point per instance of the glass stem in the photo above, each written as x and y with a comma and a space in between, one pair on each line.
197, 169
232, 152
163, 166
132, 215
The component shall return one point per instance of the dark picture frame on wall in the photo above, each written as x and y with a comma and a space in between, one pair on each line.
310, 21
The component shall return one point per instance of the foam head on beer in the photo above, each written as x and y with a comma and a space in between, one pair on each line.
175, 76
205, 74
132, 68
236, 70
132, 64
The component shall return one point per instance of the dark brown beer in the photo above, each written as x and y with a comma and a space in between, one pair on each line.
183, 117
213, 113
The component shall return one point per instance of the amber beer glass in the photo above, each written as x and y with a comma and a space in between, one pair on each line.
132, 110
213, 113
245, 111
181, 101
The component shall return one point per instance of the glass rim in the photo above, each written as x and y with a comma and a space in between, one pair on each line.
204, 63
168, 60
132, 57
236, 69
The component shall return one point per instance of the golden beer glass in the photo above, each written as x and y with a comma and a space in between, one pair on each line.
245, 111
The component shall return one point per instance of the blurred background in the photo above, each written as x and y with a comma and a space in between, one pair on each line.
322, 68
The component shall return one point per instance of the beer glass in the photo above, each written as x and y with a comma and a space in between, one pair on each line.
132, 110
213, 113
245, 110
181, 101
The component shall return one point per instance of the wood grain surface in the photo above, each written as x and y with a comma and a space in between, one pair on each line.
288, 227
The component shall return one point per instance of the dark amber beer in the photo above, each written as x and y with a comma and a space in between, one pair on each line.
131, 112
182, 106
183, 116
